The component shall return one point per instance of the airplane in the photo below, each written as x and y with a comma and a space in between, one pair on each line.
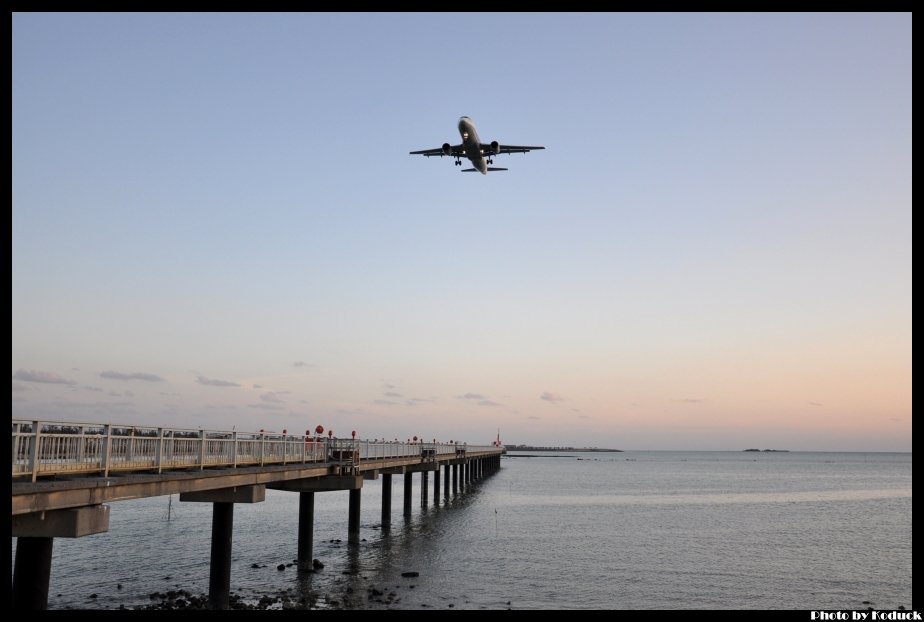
481, 154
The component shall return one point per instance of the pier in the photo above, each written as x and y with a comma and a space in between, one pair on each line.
65, 474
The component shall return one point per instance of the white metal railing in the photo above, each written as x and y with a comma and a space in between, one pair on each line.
51, 448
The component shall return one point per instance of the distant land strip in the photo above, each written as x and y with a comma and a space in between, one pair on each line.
783, 450
535, 448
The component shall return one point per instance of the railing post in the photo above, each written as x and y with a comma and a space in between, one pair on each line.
159, 451
201, 449
234, 448
106, 449
17, 427
34, 450
262, 443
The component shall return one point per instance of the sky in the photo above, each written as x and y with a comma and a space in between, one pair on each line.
216, 224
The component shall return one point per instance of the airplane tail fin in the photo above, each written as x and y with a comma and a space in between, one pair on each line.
475, 170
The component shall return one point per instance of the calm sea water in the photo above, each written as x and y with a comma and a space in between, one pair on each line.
633, 530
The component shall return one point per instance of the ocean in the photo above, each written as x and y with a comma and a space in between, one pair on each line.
557, 530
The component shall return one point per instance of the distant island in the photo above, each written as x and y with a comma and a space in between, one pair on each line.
536, 448
782, 450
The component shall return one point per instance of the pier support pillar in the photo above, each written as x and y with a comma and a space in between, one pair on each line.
455, 480
32, 573
353, 528
436, 486
446, 480
305, 531
223, 500
408, 491
386, 500
220, 569
35, 534
424, 485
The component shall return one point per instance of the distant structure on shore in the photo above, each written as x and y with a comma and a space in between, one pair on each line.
537, 448
781, 450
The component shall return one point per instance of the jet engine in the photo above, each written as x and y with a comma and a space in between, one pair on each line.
447, 148
495, 147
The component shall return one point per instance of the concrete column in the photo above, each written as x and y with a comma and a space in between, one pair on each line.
353, 529
220, 570
305, 530
455, 479
424, 486
446, 470
436, 486
386, 500
32, 573
35, 533
223, 500
408, 491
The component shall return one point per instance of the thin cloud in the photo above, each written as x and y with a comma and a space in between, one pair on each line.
815, 404
72, 404
213, 382
303, 364
488, 403
551, 396
272, 398
46, 377
534, 418
392, 394
265, 406
117, 375
94, 389
385, 403
584, 417
471, 396
258, 386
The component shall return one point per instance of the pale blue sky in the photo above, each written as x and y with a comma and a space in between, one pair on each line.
713, 252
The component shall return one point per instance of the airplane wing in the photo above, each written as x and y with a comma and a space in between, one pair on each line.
486, 147
454, 150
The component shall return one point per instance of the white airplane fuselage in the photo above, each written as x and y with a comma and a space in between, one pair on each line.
471, 144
